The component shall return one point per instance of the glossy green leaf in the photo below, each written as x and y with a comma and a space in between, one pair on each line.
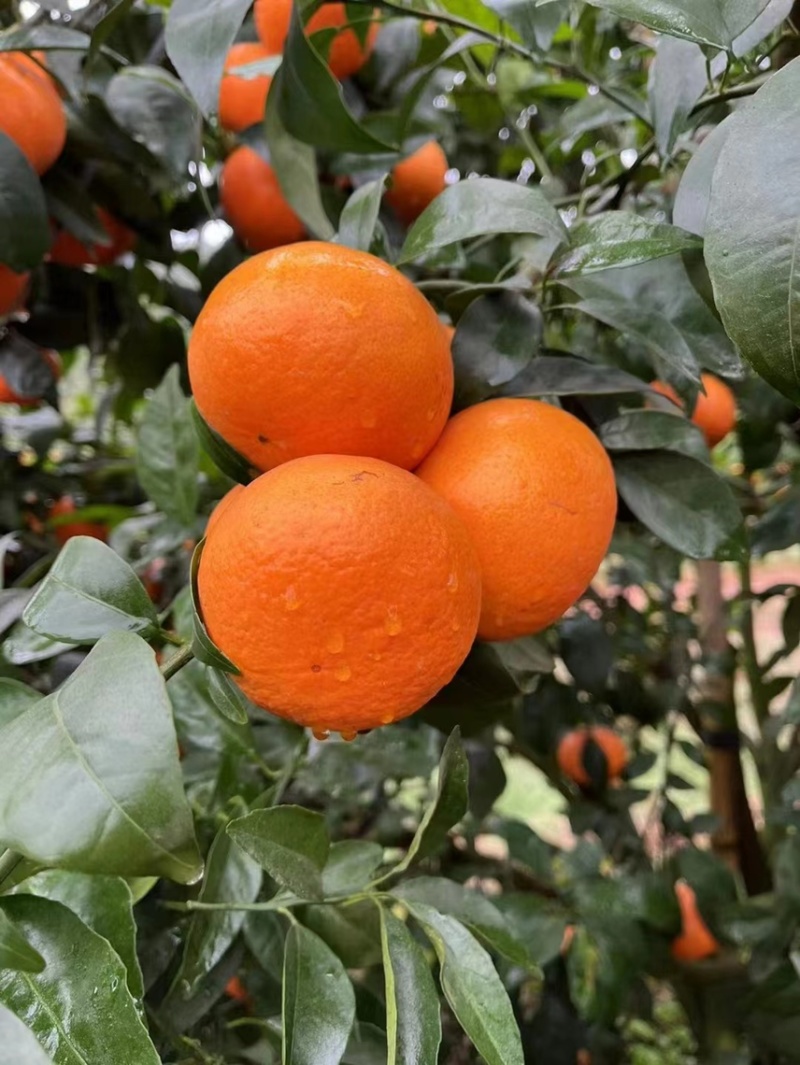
654, 430
198, 36
753, 235
413, 1020
352, 931
295, 166
480, 207
230, 462
15, 699
63, 799
472, 988
311, 102
714, 22
569, 375
450, 803
535, 23
231, 876
18, 1045
679, 499
44, 37
776, 12
23, 646
15, 952
79, 1007
678, 78
168, 452
319, 1004
617, 239
497, 337
24, 226
694, 192
349, 867
89, 591
202, 645
111, 21
360, 215
104, 904
470, 908
291, 843
227, 698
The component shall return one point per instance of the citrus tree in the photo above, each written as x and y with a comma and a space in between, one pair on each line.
467, 729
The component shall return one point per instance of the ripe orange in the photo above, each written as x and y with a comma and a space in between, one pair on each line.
571, 753
67, 250
318, 349
8, 395
12, 290
695, 941
64, 532
346, 55
236, 990
254, 204
417, 181
242, 101
345, 591
32, 114
536, 491
714, 412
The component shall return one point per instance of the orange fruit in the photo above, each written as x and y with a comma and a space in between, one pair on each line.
254, 204
695, 941
236, 990
417, 181
346, 55
536, 491
318, 349
345, 590
714, 413
64, 532
222, 506
571, 753
67, 250
12, 290
32, 114
242, 101
8, 395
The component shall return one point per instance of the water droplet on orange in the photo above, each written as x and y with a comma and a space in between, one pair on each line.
348, 736
343, 672
430, 414
320, 734
291, 600
393, 624
452, 583
335, 643
387, 719
456, 626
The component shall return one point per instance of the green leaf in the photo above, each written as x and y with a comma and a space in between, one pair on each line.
569, 375
617, 239
480, 207
153, 108
360, 215
311, 102
714, 22
15, 699
24, 226
295, 166
45, 37
497, 337
472, 988
470, 908
349, 867
535, 23
291, 843
227, 698
351, 931
678, 79
654, 430
23, 646
231, 876
448, 807
80, 968
694, 192
199, 34
753, 235
89, 591
679, 499
319, 1004
413, 1020
224, 457
537, 922
15, 952
111, 20
18, 1046
168, 452
104, 904
64, 800
202, 645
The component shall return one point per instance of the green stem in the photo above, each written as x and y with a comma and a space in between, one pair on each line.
9, 861
177, 662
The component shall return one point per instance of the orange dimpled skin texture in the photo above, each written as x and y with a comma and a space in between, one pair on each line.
12, 290
346, 56
242, 101
31, 112
345, 591
715, 411
417, 181
572, 749
536, 491
254, 204
318, 349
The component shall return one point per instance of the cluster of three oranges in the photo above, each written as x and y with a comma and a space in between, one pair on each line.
346, 589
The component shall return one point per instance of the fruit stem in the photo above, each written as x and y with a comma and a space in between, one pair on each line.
9, 860
180, 659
